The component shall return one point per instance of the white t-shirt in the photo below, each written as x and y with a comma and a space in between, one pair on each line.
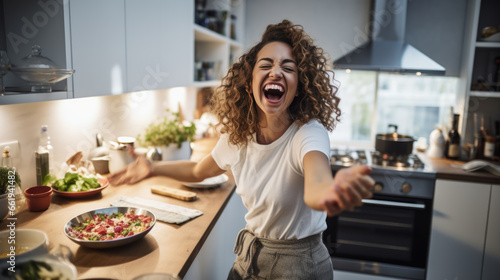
270, 180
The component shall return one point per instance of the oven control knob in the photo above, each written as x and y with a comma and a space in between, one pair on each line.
406, 188
378, 187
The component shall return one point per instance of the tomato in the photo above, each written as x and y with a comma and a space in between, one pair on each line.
96, 218
110, 222
101, 230
118, 229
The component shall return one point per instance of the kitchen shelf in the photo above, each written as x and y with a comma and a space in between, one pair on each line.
487, 94
492, 45
480, 72
204, 34
214, 53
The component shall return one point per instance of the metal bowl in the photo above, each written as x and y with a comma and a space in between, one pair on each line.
108, 211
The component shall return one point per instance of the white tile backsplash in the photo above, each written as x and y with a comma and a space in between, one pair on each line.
73, 123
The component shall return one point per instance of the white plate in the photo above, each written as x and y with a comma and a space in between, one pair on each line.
208, 183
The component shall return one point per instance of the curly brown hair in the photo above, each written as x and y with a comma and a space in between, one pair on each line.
236, 108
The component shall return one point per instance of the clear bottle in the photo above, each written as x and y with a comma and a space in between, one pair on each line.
452, 147
20, 200
44, 156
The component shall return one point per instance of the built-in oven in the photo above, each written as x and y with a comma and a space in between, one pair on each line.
389, 234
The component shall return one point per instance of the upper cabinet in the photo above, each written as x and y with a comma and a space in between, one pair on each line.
159, 44
481, 68
218, 34
97, 47
121, 46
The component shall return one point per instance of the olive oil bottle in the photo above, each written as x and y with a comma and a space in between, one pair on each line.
452, 146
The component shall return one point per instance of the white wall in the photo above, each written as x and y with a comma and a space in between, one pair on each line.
333, 24
338, 26
73, 123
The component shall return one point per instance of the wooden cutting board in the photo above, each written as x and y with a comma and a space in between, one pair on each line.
173, 192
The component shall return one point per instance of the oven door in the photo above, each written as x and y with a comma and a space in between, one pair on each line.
388, 235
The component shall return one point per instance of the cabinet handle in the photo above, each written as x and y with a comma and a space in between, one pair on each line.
393, 203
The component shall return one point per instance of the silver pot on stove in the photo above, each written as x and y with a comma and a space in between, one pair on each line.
393, 143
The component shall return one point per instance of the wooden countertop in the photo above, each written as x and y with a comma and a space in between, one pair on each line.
167, 248
452, 170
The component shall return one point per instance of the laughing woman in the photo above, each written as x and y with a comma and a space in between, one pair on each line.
275, 107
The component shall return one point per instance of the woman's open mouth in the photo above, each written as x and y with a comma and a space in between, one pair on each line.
274, 92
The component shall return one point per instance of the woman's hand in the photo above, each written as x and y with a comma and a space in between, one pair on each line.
349, 187
133, 173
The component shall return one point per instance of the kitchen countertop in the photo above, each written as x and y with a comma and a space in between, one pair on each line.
167, 248
452, 170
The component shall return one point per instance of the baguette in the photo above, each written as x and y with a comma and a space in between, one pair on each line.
173, 192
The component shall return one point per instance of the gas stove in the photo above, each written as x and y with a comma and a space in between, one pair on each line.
348, 157
405, 175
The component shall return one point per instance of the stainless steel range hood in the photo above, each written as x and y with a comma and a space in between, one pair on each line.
387, 50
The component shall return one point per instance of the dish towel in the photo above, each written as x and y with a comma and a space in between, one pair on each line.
164, 212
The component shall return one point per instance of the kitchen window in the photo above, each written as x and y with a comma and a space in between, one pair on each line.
370, 101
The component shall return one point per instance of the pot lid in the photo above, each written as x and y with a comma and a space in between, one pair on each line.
394, 135
37, 60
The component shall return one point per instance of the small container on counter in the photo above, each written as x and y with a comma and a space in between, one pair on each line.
38, 197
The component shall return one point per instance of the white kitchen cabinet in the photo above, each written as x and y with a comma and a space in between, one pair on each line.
159, 44
459, 223
491, 263
98, 47
27, 23
480, 76
216, 257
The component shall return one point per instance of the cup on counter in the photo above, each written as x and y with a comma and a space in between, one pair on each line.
38, 197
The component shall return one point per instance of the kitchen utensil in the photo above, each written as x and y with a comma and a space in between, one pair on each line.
393, 143
74, 222
436, 139
119, 156
82, 194
40, 71
173, 192
154, 154
38, 197
101, 164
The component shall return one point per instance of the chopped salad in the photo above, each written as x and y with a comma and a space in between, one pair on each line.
117, 225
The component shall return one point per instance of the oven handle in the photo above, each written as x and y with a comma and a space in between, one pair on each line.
393, 203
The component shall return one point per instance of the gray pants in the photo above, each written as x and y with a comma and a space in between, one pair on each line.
261, 258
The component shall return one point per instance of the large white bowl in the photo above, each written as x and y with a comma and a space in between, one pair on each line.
58, 266
29, 243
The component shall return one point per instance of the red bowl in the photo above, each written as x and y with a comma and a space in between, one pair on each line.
38, 197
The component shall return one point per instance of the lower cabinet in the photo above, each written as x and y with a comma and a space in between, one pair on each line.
491, 263
216, 256
461, 219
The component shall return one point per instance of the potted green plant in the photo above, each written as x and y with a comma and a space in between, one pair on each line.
171, 135
7, 177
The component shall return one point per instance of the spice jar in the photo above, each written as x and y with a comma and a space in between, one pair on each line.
489, 146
